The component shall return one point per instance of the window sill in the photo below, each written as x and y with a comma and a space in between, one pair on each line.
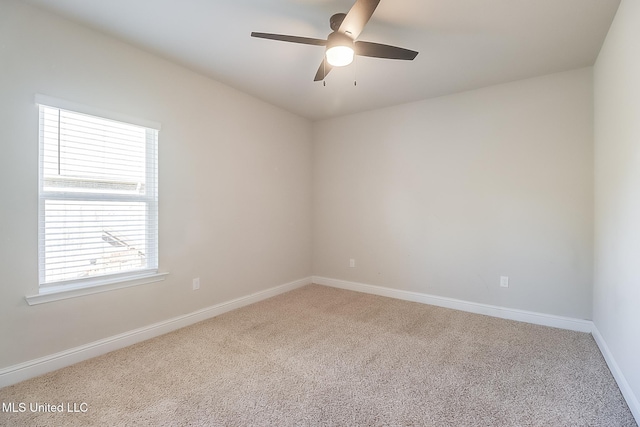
107, 285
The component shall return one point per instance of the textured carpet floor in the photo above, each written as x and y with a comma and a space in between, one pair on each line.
323, 356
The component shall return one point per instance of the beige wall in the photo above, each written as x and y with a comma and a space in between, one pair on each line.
235, 204
616, 311
443, 196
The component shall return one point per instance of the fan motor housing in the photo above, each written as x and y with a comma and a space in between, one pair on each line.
336, 20
339, 39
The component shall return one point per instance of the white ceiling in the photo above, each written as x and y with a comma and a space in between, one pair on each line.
463, 44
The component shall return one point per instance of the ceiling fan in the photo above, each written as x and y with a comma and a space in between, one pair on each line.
341, 44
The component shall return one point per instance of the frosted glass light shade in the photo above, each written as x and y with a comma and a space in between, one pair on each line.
339, 56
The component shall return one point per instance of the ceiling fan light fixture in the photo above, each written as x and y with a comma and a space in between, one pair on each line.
339, 56
340, 45
339, 49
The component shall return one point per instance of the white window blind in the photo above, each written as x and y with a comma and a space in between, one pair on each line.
98, 198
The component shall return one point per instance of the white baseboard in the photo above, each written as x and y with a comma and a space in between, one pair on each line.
471, 307
625, 388
23, 371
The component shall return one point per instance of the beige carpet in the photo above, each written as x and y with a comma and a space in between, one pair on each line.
323, 356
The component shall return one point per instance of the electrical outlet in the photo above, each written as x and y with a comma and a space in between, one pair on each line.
352, 263
504, 281
196, 283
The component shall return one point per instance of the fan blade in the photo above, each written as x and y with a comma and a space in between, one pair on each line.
378, 50
324, 69
291, 39
357, 17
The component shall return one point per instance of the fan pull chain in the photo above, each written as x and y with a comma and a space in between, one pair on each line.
324, 71
355, 71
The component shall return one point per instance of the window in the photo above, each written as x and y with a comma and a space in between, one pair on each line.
98, 207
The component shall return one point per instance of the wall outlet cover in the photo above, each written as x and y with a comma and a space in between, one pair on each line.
504, 281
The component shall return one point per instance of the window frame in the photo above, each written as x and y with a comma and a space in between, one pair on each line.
76, 287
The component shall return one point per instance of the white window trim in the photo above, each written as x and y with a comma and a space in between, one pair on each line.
63, 292
86, 109
67, 290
